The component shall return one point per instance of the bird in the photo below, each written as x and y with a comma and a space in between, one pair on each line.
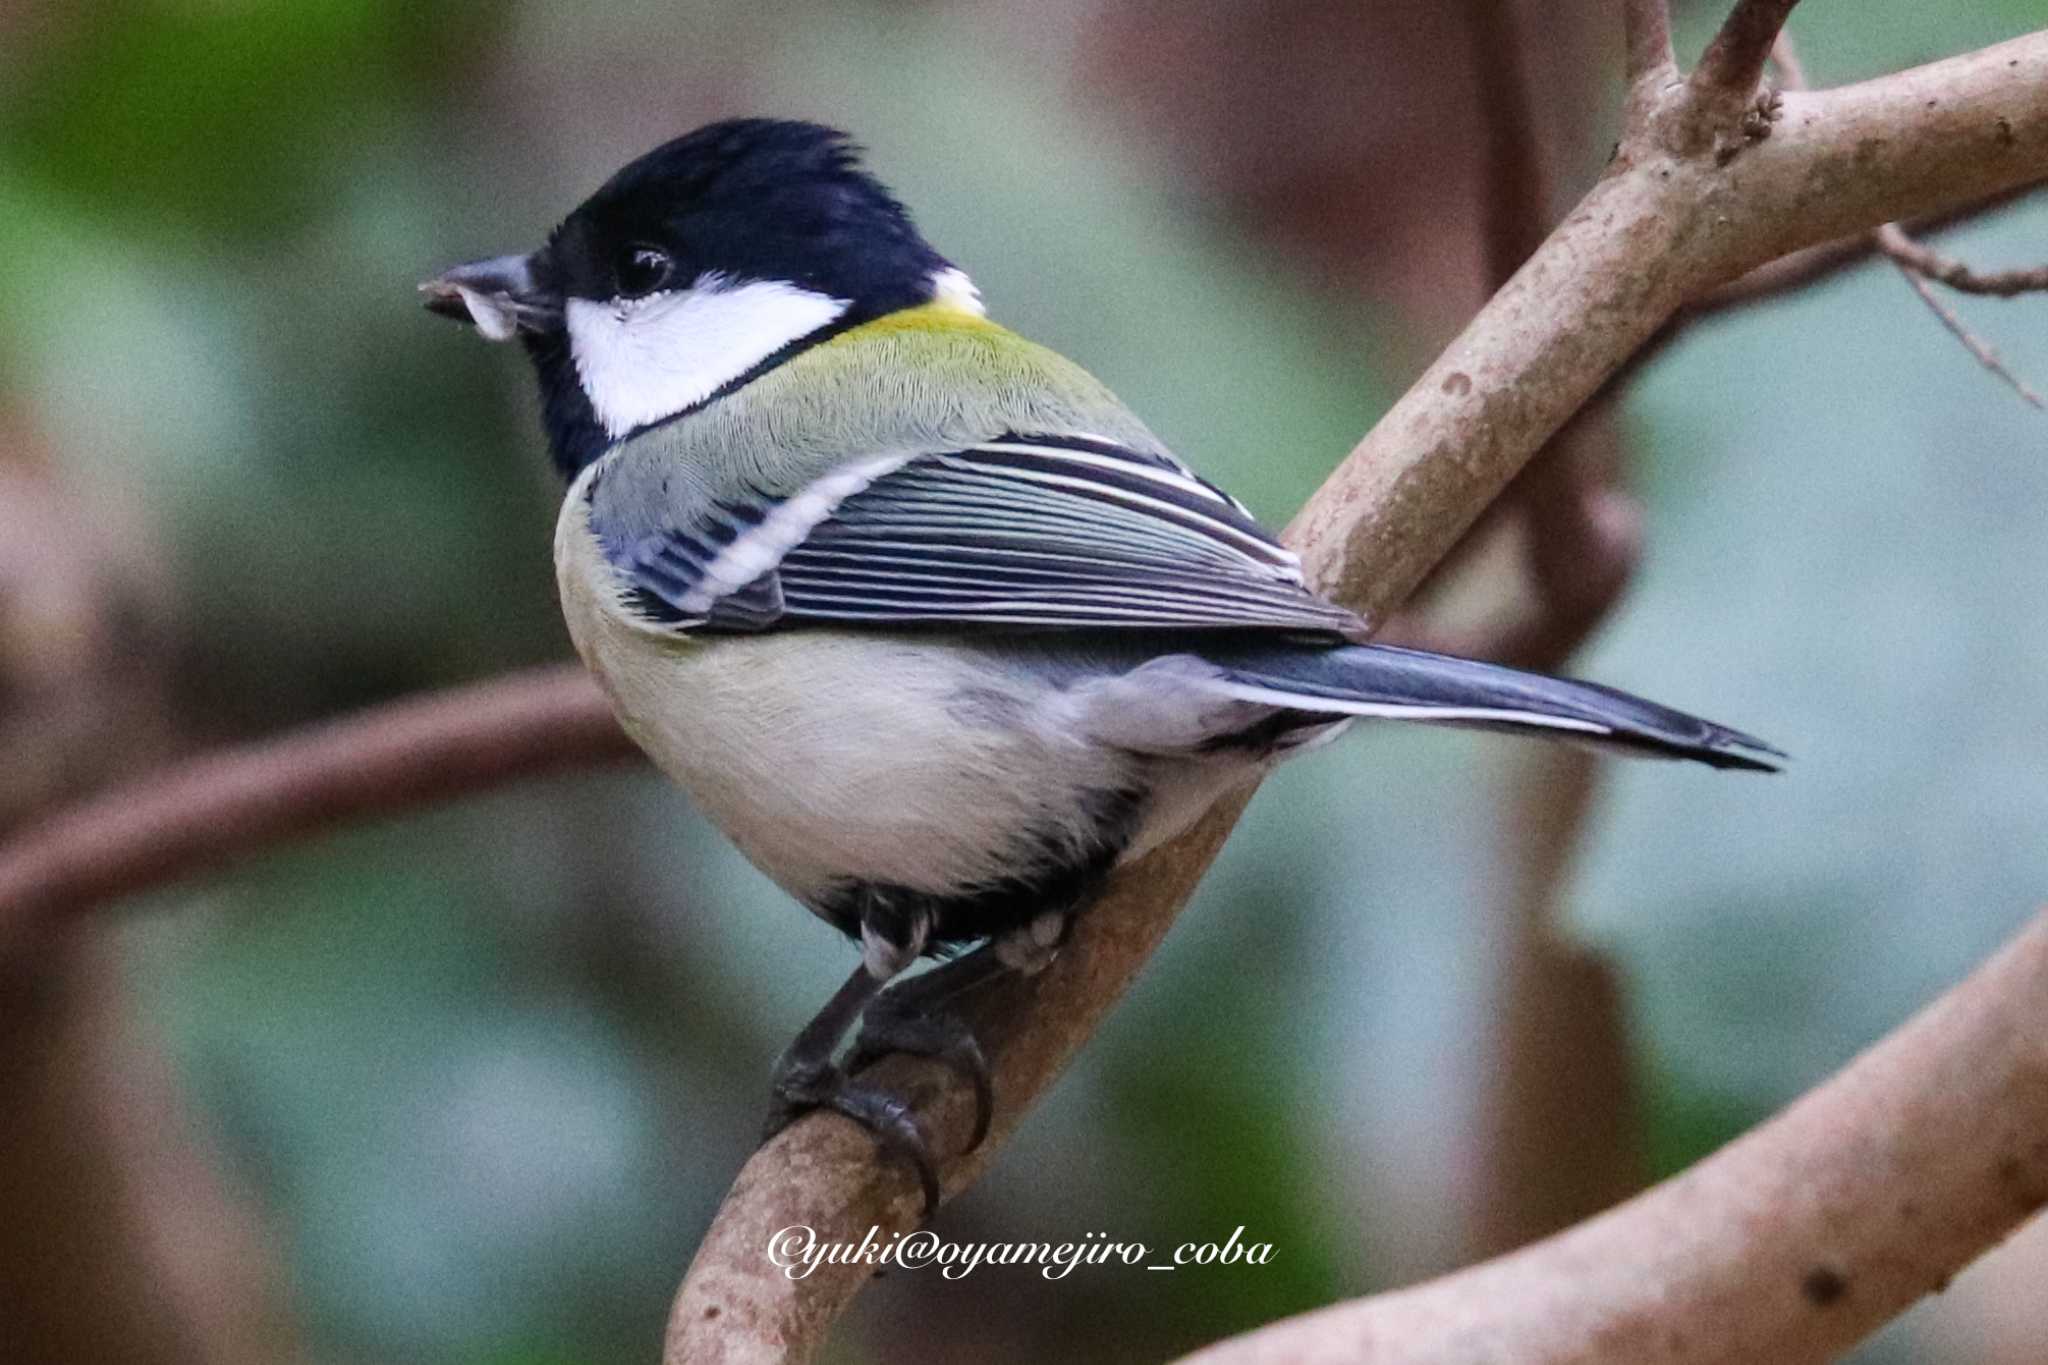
923, 618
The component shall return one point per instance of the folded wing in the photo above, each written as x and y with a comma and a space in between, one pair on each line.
1025, 532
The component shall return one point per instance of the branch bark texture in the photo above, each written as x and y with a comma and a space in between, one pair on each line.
1790, 1245
1665, 226
1670, 221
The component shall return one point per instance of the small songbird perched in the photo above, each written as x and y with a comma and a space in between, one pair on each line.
921, 616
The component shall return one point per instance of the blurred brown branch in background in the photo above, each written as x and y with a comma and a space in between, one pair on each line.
1556, 1132
1733, 64
203, 813
127, 1241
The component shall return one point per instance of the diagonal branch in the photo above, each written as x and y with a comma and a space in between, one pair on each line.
1876, 1187
1662, 228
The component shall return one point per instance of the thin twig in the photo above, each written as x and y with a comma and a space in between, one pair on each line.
1918, 263
1815, 263
200, 815
1930, 264
1980, 350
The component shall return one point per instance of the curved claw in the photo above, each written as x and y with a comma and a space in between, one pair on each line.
896, 1132
888, 1117
888, 1028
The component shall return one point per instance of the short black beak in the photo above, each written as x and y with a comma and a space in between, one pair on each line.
500, 297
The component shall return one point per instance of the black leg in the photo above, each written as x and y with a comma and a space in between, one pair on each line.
911, 1016
805, 1077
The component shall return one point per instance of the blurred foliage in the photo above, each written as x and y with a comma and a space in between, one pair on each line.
491, 1069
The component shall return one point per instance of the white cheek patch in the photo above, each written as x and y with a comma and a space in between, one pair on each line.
641, 360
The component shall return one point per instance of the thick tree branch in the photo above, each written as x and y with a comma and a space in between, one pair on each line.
199, 815
1662, 228
1874, 1189
1667, 224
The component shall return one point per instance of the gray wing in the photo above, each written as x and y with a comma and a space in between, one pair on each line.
1022, 532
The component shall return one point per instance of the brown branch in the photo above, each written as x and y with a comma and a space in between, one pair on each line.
1558, 1118
1917, 263
198, 816
1515, 205
1980, 350
1924, 261
1815, 263
1733, 63
1662, 228
1789, 1245
1557, 1126
1581, 531
1646, 40
1667, 224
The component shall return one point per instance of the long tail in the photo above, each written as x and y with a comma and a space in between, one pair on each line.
1409, 684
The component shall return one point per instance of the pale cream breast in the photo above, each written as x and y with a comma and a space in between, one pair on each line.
833, 755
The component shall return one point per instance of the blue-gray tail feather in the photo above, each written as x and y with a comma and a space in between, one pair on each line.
1408, 684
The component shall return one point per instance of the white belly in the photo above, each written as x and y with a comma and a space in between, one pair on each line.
830, 756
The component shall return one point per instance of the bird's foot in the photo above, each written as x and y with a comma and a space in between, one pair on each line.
800, 1087
911, 1017
902, 1023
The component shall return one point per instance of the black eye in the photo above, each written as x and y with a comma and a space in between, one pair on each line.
643, 269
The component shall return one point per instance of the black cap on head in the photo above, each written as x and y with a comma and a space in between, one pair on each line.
720, 254
747, 199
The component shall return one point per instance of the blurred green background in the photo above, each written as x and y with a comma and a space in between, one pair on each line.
485, 1073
